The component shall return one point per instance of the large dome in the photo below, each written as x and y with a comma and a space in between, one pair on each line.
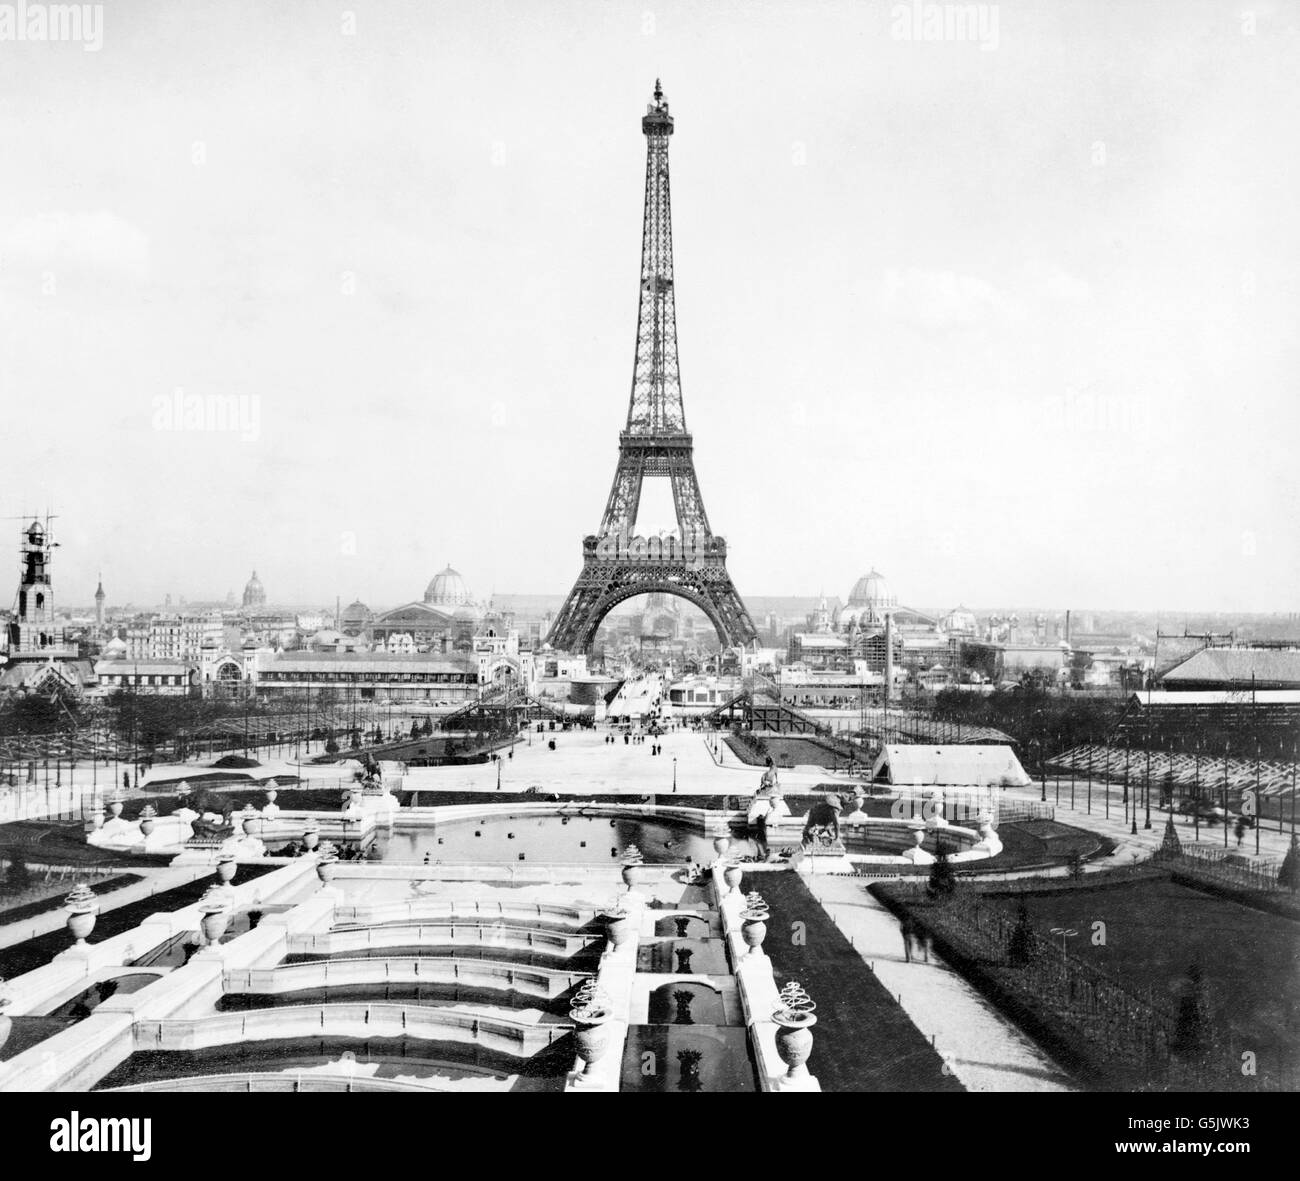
871, 590
448, 590
254, 593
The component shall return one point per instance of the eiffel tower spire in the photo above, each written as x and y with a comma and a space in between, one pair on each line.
654, 443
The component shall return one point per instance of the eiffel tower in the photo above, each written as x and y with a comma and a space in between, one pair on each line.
692, 563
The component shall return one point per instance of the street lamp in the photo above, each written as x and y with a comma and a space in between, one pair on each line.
674, 772
1065, 933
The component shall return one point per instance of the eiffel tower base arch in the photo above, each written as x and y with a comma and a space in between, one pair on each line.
605, 582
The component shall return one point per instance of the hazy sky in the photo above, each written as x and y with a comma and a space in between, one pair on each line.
1011, 320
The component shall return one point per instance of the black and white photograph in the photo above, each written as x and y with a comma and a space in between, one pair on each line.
650, 546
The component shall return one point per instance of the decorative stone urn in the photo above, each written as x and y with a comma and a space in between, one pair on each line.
216, 914
115, 804
327, 860
148, 820
632, 862
732, 875
721, 845
311, 835
272, 790
248, 819
794, 1018
82, 910
591, 1013
620, 926
753, 926
226, 866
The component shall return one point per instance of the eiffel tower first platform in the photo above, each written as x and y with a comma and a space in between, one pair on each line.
691, 564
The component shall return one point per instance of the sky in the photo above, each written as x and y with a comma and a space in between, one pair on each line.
1007, 312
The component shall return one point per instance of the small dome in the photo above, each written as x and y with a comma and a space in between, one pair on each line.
448, 589
356, 618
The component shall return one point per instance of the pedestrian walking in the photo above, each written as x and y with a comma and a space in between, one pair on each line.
908, 929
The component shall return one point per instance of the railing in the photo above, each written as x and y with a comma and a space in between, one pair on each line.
263, 1082
421, 909
518, 1037
438, 934
1227, 868
489, 974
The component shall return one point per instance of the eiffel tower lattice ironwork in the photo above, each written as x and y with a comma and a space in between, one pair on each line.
692, 563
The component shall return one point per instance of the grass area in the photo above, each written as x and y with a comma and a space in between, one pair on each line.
1155, 930
35, 953
63, 842
17, 905
788, 751
864, 1041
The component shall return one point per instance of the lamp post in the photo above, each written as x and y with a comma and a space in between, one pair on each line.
674, 772
1065, 933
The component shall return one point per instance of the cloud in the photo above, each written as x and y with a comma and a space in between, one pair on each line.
99, 242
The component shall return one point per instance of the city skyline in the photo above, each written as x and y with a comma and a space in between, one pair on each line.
983, 355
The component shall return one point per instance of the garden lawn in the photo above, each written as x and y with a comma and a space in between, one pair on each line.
1155, 930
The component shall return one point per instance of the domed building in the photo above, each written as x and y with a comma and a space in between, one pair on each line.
356, 618
960, 621
869, 601
448, 590
445, 618
254, 593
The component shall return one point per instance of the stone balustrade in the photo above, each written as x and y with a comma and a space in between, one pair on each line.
488, 974
414, 910
758, 992
449, 934
514, 1036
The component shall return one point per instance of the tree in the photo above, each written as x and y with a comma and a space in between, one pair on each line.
1289, 876
1195, 1031
1020, 947
943, 881
331, 747
18, 876
415, 729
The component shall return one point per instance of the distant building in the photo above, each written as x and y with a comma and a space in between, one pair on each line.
444, 620
1235, 668
356, 619
39, 655
254, 593
435, 679
166, 678
967, 765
